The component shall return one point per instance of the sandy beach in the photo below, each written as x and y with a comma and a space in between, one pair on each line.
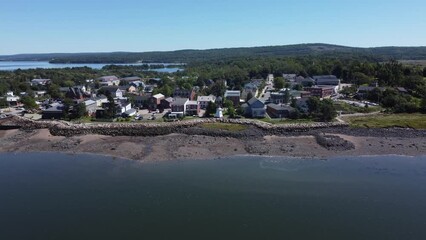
182, 146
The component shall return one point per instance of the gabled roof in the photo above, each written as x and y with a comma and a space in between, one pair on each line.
280, 107
158, 96
111, 88
254, 101
180, 101
230, 93
131, 79
108, 78
209, 98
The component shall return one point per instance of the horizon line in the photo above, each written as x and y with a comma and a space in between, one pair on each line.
206, 49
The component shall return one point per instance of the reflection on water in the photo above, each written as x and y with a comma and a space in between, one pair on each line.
56, 196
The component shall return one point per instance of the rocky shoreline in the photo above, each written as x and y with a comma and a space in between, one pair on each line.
190, 140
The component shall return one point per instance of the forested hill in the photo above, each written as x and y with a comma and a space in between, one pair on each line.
188, 56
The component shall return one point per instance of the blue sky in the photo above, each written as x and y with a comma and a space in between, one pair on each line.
44, 26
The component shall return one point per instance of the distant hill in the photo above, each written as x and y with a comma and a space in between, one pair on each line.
187, 56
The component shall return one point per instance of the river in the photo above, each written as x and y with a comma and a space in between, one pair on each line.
24, 65
59, 196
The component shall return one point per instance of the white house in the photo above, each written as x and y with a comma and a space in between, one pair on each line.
204, 100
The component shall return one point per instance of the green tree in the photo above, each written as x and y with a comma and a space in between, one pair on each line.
279, 83
218, 89
111, 110
68, 103
3, 103
231, 112
313, 104
53, 91
327, 111
80, 110
211, 109
228, 103
29, 102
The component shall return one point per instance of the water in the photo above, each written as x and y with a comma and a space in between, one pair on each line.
11, 66
57, 196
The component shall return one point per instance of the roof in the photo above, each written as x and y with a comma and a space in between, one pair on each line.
131, 79
192, 102
111, 88
210, 98
158, 96
253, 100
280, 107
180, 101
324, 77
89, 102
232, 93
108, 78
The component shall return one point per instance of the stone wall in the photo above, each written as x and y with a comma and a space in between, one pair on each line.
257, 128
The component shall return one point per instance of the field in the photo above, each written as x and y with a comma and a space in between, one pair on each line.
416, 121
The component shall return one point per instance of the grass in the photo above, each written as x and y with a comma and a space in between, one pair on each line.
285, 121
349, 109
416, 121
225, 126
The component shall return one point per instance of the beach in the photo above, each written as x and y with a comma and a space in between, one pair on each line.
178, 146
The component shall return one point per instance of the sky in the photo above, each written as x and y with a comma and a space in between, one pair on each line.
67, 26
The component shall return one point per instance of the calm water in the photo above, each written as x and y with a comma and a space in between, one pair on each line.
11, 66
55, 196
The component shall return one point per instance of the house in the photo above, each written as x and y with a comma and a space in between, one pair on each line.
40, 82
113, 90
254, 108
91, 107
128, 80
179, 105
219, 101
252, 88
53, 111
184, 93
167, 103
363, 91
39, 93
279, 110
233, 96
142, 101
154, 81
270, 78
321, 91
11, 99
306, 82
192, 108
326, 80
130, 112
302, 104
75, 93
204, 100
109, 81
401, 90
290, 77
100, 100
155, 101
127, 89
138, 84
120, 107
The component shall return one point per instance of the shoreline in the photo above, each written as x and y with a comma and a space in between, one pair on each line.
178, 146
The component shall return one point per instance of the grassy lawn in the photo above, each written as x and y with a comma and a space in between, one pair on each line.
417, 121
285, 121
349, 109
224, 126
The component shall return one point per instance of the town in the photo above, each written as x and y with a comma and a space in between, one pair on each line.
289, 96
